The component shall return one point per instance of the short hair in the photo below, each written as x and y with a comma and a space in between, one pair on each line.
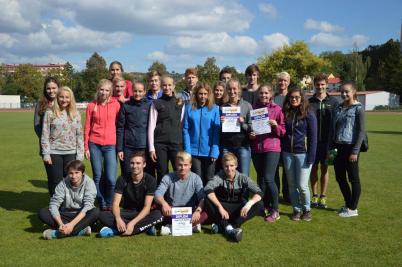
251, 69
117, 63
183, 156
231, 81
153, 73
140, 154
229, 156
75, 165
225, 70
283, 75
321, 77
191, 71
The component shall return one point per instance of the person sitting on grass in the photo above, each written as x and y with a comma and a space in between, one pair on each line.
137, 190
181, 188
227, 200
71, 210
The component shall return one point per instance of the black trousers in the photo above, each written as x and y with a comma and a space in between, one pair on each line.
234, 213
164, 154
67, 216
204, 167
342, 166
285, 187
57, 170
153, 218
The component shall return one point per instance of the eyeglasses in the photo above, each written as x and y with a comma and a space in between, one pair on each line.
294, 97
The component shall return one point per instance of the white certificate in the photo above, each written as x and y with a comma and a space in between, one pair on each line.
259, 121
181, 221
231, 122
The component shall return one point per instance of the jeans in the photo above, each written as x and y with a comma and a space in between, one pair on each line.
298, 174
203, 167
342, 165
103, 160
57, 170
243, 155
265, 165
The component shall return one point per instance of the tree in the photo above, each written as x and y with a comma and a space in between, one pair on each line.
94, 72
209, 72
29, 81
358, 69
68, 75
338, 63
159, 67
296, 59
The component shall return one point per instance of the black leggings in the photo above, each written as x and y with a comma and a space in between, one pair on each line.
203, 167
164, 154
153, 218
67, 216
57, 170
285, 187
342, 166
234, 213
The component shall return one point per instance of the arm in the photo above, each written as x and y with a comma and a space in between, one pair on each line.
37, 121
45, 139
143, 213
153, 116
253, 188
280, 129
80, 139
361, 132
87, 128
121, 124
121, 225
212, 197
246, 124
186, 133
56, 200
160, 193
311, 137
216, 129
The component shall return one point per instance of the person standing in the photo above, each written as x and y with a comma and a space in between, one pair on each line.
250, 92
116, 70
299, 149
191, 78
154, 83
100, 141
323, 105
349, 133
62, 138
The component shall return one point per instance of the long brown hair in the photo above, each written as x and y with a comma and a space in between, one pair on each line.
224, 98
301, 111
45, 99
197, 88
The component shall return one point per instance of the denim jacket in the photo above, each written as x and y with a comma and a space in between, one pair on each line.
349, 126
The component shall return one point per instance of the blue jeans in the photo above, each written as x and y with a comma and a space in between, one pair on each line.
298, 174
103, 159
243, 155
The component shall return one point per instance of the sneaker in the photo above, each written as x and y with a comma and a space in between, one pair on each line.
296, 216
214, 228
322, 203
235, 234
306, 216
49, 234
151, 231
106, 232
85, 232
273, 216
314, 202
166, 230
197, 228
342, 210
348, 213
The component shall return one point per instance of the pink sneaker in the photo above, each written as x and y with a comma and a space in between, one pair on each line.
273, 216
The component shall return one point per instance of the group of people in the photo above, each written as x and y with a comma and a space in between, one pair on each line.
145, 129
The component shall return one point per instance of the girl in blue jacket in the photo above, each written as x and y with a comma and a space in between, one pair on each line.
201, 127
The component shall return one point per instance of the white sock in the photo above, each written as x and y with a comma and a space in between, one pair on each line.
229, 228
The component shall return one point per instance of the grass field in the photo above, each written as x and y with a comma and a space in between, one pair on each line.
373, 238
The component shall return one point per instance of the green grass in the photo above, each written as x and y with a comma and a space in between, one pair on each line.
373, 238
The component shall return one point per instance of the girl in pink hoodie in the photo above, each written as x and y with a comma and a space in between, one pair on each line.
266, 150
100, 141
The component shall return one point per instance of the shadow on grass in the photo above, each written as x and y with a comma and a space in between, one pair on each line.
385, 132
39, 183
25, 201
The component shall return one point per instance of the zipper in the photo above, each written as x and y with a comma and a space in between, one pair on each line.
293, 131
320, 121
199, 136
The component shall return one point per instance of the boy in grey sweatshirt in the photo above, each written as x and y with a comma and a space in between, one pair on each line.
71, 209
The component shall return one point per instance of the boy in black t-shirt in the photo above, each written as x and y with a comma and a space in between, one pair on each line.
137, 192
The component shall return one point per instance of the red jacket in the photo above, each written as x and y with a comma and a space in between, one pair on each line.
270, 142
100, 123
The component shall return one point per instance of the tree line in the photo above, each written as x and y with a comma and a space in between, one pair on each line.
378, 67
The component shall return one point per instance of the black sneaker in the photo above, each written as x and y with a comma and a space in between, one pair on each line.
306, 216
296, 216
235, 234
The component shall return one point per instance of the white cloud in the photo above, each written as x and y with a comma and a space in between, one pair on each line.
273, 41
214, 43
6, 40
18, 16
332, 40
268, 9
158, 56
322, 26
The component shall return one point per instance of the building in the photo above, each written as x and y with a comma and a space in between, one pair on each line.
42, 68
371, 99
334, 83
10, 101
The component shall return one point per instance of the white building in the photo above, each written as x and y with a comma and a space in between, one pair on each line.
10, 101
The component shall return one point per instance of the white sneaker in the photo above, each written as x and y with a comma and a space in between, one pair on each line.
348, 213
166, 230
197, 228
49, 234
85, 232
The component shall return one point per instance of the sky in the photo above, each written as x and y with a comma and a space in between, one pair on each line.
183, 33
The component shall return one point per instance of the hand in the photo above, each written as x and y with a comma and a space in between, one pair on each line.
122, 99
352, 158
87, 154
67, 229
241, 119
224, 213
273, 123
121, 225
222, 119
252, 135
153, 156
213, 159
243, 212
121, 155
48, 161
129, 229
196, 217
167, 210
